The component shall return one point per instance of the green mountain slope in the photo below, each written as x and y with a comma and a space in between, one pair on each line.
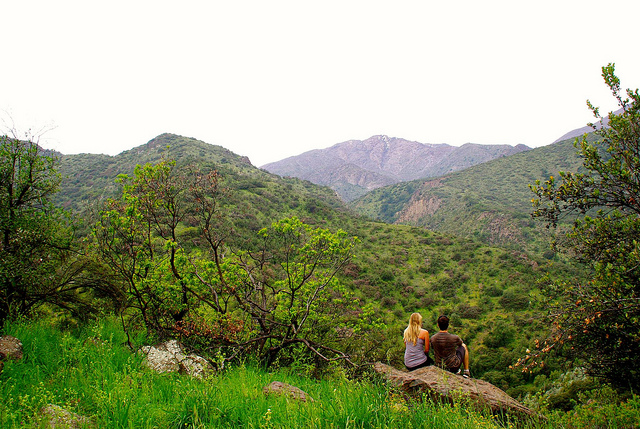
490, 201
259, 197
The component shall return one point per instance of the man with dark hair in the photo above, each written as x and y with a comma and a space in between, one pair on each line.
449, 350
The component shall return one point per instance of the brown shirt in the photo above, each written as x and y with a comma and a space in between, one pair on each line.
444, 346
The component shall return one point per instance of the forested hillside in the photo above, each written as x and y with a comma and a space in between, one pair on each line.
259, 198
490, 202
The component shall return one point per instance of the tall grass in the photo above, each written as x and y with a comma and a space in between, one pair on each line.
90, 372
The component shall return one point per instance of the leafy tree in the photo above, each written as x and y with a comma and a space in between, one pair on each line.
147, 236
165, 239
598, 320
290, 291
37, 261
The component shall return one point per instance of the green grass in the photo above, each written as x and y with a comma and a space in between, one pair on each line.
89, 371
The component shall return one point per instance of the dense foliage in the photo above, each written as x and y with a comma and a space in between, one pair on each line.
39, 262
165, 239
599, 320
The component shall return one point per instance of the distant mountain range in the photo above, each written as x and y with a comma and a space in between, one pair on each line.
490, 201
355, 167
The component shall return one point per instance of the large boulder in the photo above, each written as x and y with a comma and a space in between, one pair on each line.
10, 348
444, 386
164, 357
171, 356
195, 366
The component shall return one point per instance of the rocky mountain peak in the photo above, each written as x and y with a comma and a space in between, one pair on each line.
355, 167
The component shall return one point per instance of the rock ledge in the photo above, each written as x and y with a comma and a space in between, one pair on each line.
444, 386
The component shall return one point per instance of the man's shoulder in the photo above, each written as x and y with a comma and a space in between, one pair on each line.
444, 336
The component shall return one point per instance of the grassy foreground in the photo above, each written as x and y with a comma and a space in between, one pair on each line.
89, 372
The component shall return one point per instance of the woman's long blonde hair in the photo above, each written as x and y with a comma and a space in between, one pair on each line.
412, 332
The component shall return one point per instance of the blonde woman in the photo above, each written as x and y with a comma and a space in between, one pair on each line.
416, 342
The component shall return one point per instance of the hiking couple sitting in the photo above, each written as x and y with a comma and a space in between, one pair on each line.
449, 351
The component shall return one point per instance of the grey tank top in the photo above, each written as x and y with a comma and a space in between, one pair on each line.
414, 355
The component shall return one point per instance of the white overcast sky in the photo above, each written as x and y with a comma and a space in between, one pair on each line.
272, 79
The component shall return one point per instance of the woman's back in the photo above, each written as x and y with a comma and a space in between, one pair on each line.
414, 354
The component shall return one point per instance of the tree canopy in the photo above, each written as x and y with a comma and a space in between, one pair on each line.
598, 321
165, 241
37, 259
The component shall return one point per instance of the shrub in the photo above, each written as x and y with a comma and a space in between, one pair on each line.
467, 311
501, 335
387, 276
513, 300
389, 301
601, 408
429, 301
493, 291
